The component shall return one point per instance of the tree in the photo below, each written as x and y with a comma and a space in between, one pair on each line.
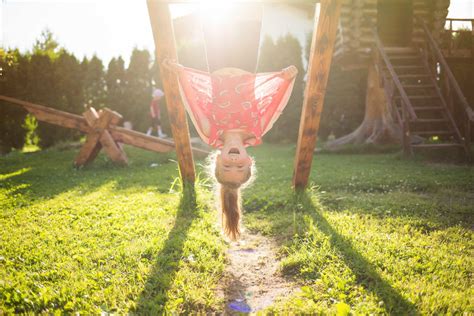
69, 87
42, 88
274, 57
12, 132
138, 90
46, 44
378, 126
116, 83
95, 91
69, 83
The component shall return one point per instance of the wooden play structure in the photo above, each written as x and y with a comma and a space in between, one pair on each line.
412, 94
102, 132
321, 53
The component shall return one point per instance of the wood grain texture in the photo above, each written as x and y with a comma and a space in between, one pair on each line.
52, 116
147, 142
100, 137
163, 35
318, 72
92, 146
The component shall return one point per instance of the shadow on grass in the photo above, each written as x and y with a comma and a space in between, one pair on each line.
366, 274
49, 173
430, 211
155, 295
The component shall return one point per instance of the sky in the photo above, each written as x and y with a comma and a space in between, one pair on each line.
107, 28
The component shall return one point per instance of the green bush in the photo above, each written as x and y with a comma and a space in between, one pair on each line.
12, 133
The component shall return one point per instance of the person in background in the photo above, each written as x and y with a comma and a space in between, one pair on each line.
155, 113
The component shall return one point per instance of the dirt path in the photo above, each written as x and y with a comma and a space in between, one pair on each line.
251, 280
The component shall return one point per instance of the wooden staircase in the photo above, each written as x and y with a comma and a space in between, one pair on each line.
419, 104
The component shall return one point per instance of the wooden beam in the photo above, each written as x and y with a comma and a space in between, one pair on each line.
100, 137
321, 53
101, 124
147, 142
163, 35
92, 146
52, 116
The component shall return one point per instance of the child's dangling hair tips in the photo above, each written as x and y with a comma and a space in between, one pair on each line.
229, 197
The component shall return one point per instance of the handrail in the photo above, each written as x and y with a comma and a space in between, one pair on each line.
459, 19
403, 95
449, 74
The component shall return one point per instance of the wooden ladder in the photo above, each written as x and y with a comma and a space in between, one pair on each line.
417, 101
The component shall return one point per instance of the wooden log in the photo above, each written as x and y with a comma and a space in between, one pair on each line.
88, 152
91, 147
318, 72
163, 35
147, 142
52, 116
141, 140
99, 133
113, 150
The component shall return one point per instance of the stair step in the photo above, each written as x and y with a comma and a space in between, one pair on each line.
408, 67
430, 120
441, 145
427, 108
434, 133
420, 97
404, 67
404, 57
399, 50
412, 86
413, 75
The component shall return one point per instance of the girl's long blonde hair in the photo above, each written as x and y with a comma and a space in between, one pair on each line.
230, 197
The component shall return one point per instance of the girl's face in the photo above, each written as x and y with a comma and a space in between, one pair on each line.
233, 163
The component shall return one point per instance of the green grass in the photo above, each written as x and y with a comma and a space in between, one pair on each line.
378, 234
375, 234
104, 238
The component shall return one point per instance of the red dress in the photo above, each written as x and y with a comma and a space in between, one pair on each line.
247, 102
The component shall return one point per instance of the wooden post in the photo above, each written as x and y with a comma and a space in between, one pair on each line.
322, 46
100, 137
163, 35
450, 43
472, 33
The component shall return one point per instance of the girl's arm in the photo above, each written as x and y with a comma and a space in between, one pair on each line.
289, 72
172, 65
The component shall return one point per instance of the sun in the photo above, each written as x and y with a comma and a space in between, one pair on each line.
217, 10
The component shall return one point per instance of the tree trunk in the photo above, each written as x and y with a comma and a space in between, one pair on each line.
378, 126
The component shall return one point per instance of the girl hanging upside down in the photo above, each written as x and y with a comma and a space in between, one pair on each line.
232, 109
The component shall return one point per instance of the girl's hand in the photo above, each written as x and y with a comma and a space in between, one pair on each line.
289, 72
172, 65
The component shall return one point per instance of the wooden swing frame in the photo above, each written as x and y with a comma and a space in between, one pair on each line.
321, 52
